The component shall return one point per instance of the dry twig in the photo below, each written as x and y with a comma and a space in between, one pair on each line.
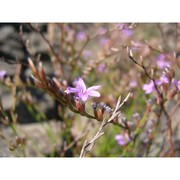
87, 146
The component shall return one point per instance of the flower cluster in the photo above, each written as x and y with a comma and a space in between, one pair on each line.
164, 79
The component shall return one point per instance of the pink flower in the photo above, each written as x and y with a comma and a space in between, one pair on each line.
162, 80
121, 25
2, 74
125, 31
149, 88
87, 53
122, 139
104, 41
81, 92
161, 62
101, 67
176, 84
133, 83
81, 36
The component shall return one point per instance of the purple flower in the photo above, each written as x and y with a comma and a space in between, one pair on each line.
162, 80
122, 139
121, 25
2, 74
101, 67
81, 36
161, 62
149, 88
104, 41
176, 84
125, 31
87, 53
81, 92
133, 83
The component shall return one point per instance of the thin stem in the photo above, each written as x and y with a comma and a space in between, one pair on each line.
170, 134
87, 146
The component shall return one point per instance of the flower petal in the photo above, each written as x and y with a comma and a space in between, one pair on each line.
159, 82
92, 88
122, 143
149, 88
79, 83
2, 74
122, 139
71, 90
119, 137
178, 85
82, 96
93, 93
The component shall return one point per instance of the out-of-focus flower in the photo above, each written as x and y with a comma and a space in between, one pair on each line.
2, 74
161, 62
176, 84
149, 88
104, 41
133, 83
81, 36
87, 53
101, 67
121, 25
122, 139
162, 80
125, 31
81, 92
102, 30
140, 48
